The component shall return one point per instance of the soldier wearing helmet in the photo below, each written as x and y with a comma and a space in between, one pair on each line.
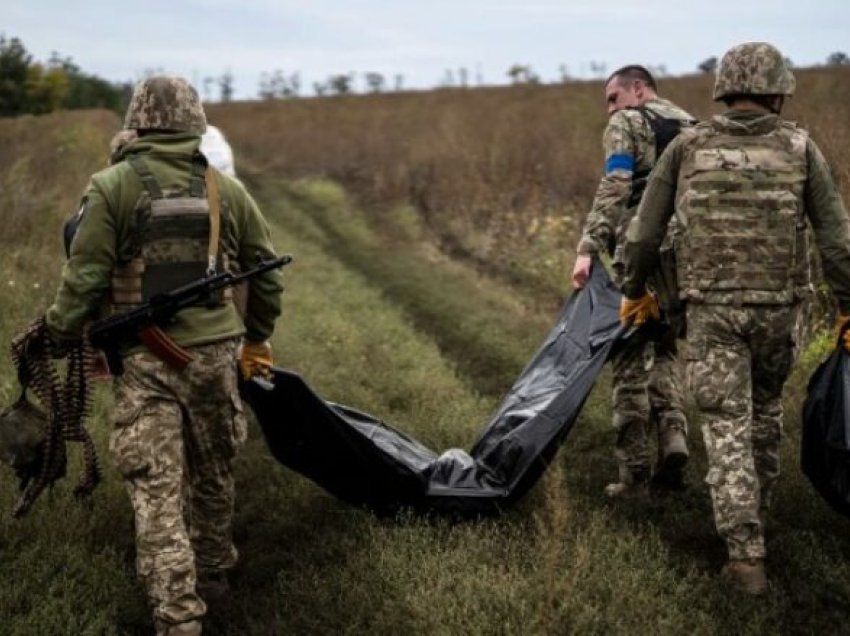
646, 382
160, 217
743, 187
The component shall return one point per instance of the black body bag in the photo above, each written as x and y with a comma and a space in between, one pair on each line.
825, 447
364, 461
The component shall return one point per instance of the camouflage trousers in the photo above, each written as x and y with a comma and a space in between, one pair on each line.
738, 360
647, 386
174, 439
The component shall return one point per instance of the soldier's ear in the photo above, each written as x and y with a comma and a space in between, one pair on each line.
638, 88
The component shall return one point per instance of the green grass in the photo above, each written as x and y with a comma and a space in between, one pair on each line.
489, 340
377, 319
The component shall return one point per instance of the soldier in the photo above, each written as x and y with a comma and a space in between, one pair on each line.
159, 218
116, 148
646, 379
742, 187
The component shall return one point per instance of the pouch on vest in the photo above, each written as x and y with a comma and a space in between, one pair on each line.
171, 240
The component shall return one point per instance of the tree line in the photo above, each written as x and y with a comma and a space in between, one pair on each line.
29, 86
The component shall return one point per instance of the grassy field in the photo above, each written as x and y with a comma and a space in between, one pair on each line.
379, 317
500, 177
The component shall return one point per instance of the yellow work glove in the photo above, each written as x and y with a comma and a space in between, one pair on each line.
255, 359
844, 337
637, 312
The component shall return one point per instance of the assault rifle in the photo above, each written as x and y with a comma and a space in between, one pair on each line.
145, 323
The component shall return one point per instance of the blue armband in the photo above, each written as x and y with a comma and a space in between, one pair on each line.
619, 162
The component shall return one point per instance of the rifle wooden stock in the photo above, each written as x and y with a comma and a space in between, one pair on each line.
164, 348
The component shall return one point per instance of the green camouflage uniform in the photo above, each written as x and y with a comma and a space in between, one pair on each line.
175, 432
646, 376
742, 187
175, 428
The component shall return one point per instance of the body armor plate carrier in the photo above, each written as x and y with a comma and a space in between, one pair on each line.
170, 240
740, 200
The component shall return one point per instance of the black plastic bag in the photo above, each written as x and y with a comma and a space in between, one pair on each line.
825, 446
363, 461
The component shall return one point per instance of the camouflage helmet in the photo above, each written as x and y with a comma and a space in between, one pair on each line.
23, 430
166, 103
754, 68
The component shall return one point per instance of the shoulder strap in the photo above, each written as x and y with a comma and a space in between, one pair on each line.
664, 129
214, 202
196, 182
148, 180
199, 170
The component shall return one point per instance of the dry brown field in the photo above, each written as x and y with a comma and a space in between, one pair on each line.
493, 172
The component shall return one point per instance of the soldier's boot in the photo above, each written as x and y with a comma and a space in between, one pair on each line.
213, 586
189, 628
672, 456
746, 575
633, 484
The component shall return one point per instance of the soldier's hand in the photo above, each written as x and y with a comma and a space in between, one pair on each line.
842, 332
581, 271
255, 358
637, 312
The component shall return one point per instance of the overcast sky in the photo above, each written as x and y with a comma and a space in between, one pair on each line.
418, 40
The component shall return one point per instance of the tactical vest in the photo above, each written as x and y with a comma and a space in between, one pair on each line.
170, 238
664, 130
663, 279
740, 200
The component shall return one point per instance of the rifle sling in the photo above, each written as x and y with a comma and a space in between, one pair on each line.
214, 202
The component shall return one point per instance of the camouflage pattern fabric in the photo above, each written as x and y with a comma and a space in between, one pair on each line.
817, 196
176, 433
627, 135
631, 366
175, 436
738, 360
171, 235
666, 386
753, 68
647, 387
105, 238
740, 195
166, 103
